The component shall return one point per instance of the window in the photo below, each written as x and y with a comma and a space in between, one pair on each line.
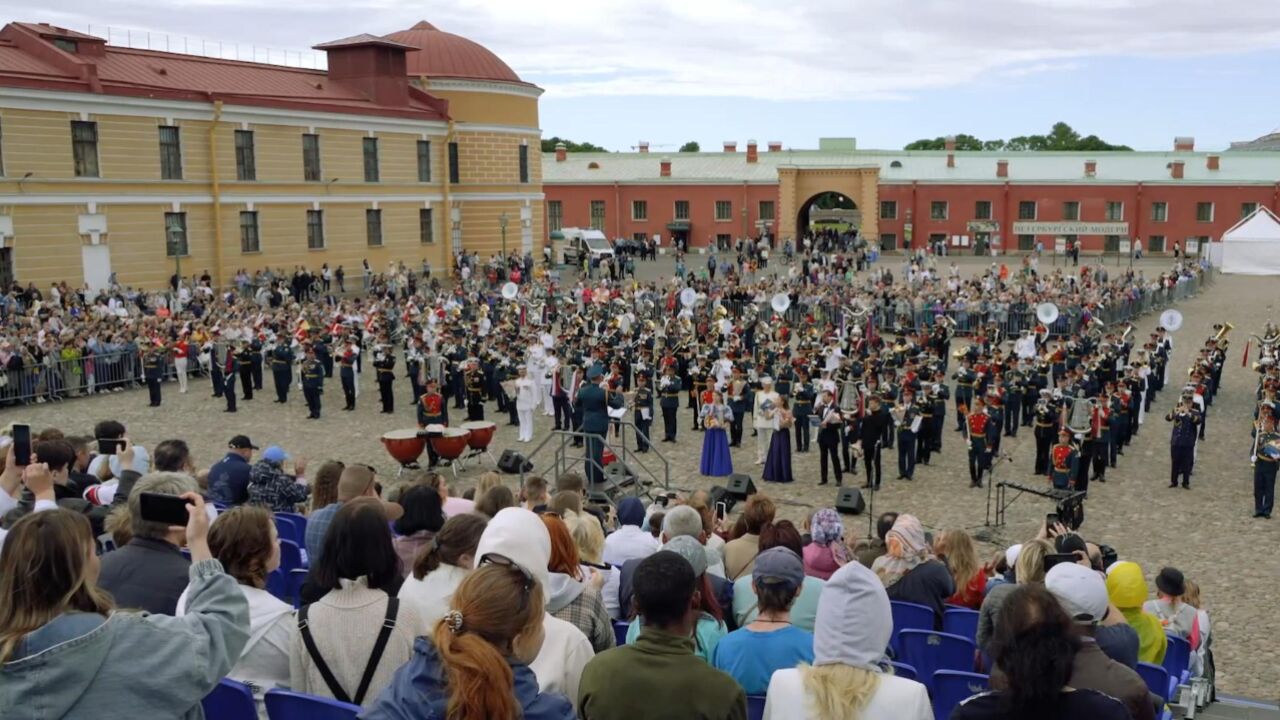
1111, 243
724, 240
1204, 212
982, 210
1115, 211
597, 214
84, 147
682, 210
1, 157
424, 161
639, 210
249, 239
65, 45
1027, 210
170, 153
1155, 243
373, 227
1247, 209
888, 241
766, 210
938, 210
524, 163
426, 226
640, 237
1159, 212
936, 239
315, 229
724, 210
454, 173
245, 167
1071, 210
175, 234
555, 215
370, 159
311, 157
1026, 242
888, 209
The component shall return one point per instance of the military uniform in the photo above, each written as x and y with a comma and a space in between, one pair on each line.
1046, 428
282, 371
1264, 473
312, 386
669, 388
979, 450
231, 369
965, 380
433, 409
643, 400
803, 409
347, 375
1063, 458
475, 394
255, 362
385, 368
1182, 445
246, 370
1015, 389
153, 371
907, 441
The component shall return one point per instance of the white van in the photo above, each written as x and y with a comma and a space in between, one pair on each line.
578, 242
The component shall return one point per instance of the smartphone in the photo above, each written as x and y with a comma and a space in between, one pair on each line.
110, 446
722, 510
21, 445
1051, 560
167, 509
1050, 520
662, 500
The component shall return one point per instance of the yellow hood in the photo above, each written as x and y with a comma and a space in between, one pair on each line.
1125, 585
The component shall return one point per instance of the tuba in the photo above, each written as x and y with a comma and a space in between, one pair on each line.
1222, 332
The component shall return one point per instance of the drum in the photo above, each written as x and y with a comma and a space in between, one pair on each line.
481, 434
450, 443
404, 445
432, 430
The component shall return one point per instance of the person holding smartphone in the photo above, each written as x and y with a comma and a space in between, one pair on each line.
150, 572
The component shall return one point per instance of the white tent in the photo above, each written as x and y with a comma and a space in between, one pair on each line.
1252, 246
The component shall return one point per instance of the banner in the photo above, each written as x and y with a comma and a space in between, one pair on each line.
1070, 227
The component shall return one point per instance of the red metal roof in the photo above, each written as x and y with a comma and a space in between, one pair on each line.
29, 61
361, 40
445, 55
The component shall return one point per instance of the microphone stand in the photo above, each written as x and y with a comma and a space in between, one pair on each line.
871, 505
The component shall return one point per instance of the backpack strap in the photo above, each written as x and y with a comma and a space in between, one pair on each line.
388, 624
304, 629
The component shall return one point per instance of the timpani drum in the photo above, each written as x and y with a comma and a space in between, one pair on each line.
450, 443
404, 446
481, 434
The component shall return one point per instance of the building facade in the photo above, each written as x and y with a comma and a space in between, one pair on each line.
409, 147
1010, 201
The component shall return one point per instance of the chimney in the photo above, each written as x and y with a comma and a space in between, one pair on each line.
1184, 143
665, 167
775, 146
1090, 168
644, 146
730, 146
1002, 168
562, 152
372, 66
950, 145
1212, 162
1175, 169
753, 153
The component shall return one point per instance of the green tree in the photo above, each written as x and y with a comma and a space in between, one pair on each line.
691, 146
1061, 137
549, 145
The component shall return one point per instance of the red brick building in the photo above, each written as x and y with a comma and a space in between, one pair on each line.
910, 198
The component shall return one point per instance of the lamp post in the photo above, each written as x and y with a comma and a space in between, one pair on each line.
175, 233
502, 223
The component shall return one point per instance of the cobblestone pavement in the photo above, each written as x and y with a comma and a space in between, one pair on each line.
1206, 532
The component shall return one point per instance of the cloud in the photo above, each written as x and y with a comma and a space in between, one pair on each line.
762, 49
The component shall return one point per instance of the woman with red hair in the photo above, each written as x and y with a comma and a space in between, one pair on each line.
572, 595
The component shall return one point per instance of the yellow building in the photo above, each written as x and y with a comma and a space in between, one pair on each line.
408, 147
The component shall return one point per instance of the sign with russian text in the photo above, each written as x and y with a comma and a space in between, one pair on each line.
983, 226
1070, 227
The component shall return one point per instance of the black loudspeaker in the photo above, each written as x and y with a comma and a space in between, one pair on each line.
721, 494
849, 500
511, 462
740, 486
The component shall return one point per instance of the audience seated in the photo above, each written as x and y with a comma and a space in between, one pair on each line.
1028, 568
804, 610
324, 487
740, 553
1128, 592
494, 500
244, 540
955, 549
631, 541
271, 487
1201, 633
422, 519
710, 628
533, 494
572, 594
680, 521
847, 679
659, 675
909, 570
65, 652
588, 537
770, 642
700, 500
332, 644
475, 662
150, 572
441, 565
355, 481
229, 477
1034, 647
867, 552
827, 551
1177, 617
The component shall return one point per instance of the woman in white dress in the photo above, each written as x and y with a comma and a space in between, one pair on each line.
526, 401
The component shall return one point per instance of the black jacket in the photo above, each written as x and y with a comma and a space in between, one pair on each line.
147, 574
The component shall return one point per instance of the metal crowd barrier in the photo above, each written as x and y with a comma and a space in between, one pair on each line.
55, 380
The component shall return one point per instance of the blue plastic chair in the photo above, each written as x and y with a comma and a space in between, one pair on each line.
1177, 659
929, 652
755, 707
278, 584
290, 556
904, 670
230, 700
620, 628
1157, 679
297, 577
299, 523
961, 621
908, 616
285, 527
951, 687
289, 705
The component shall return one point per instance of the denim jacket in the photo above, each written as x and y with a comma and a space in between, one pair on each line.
130, 665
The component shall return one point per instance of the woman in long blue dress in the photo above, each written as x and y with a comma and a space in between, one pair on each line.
777, 464
716, 417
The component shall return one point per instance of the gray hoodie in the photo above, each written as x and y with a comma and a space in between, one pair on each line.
130, 665
561, 591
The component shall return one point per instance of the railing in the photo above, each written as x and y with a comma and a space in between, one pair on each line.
565, 457
80, 376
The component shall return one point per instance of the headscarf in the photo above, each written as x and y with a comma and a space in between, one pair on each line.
827, 531
1128, 590
631, 511
854, 620
905, 549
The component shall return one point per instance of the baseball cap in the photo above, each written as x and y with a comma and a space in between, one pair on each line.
275, 454
779, 565
1081, 592
242, 442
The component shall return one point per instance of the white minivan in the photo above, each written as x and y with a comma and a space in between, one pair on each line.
578, 242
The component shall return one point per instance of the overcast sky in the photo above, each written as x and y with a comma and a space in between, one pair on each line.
888, 72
